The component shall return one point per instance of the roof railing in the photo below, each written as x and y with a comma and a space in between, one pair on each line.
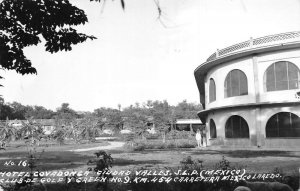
254, 43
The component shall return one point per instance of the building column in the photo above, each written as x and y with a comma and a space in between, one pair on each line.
257, 110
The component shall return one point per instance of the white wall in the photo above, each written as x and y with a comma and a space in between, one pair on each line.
220, 72
219, 75
220, 118
256, 117
264, 61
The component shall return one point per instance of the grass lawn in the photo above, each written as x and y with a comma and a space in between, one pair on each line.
252, 161
50, 156
55, 157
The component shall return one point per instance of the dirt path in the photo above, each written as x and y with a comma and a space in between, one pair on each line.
112, 145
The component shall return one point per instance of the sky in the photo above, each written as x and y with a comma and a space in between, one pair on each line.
137, 57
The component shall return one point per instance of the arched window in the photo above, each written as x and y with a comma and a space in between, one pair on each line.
236, 83
212, 90
283, 124
236, 127
212, 129
281, 75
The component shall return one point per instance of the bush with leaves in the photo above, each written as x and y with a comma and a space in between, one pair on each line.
103, 164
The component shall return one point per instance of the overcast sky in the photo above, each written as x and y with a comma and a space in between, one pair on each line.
136, 58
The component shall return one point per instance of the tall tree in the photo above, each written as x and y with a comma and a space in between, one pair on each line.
38, 112
18, 110
24, 22
110, 117
185, 110
5, 110
65, 112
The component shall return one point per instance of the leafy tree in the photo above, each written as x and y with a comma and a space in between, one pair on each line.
5, 112
110, 117
103, 164
24, 22
137, 118
32, 132
185, 110
163, 129
89, 127
18, 110
7, 132
70, 131
65, 114
162, 117
38, 112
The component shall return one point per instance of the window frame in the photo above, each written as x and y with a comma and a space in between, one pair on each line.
277, 126
211, 121
212, 95
241, 75
288, 80
234, 129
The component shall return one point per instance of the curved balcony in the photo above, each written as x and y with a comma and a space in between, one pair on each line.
257, 42
257, 46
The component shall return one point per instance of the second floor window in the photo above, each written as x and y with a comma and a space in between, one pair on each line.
212, 90
282, 75
236, 84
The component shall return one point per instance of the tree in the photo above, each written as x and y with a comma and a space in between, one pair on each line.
65, 114
38, 112
24, 22
5, 112
109, 117
185, 110
7, 132
18, 110
70, 130
137, 118
161, 112
89, 128
32, 132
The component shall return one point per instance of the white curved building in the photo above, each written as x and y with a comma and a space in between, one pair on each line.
249, 93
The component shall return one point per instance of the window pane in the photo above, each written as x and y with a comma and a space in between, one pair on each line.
243, 84
272, 127
286, 125
282, 85
227, 86
228, 128
235, 83
244, 129
293, 74
213, 130
285, 77
212, 90
281, 71
292, 71
293, 84
295, 126
270, 78
236, 127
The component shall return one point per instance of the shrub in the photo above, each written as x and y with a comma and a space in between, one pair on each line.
179, 135
103, 164
150, 136
139, 147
